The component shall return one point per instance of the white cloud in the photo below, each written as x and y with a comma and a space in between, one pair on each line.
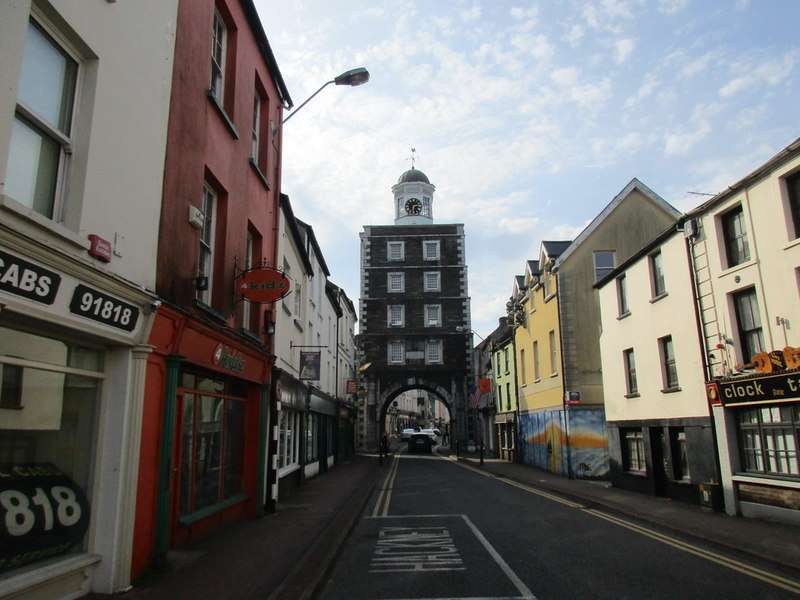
698, 65
517, 225
742, 4
769, 72
524, 13
537, 46
749, 117
623, 49
645, 90
587, 95
471, 14
670, 7
679, 144
574, 35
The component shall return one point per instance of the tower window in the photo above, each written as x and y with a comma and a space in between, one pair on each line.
426, 206
396, 282
396, 250
432, 282
430, 250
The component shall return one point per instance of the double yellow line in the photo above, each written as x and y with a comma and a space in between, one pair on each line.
385, 495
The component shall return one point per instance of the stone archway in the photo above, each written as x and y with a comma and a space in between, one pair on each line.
388, 396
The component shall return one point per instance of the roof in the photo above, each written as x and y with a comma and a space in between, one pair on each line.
553, 249
266, 51
413, 175
312, 239
294, 231
633, 184
520, 279
342, 297
332, 292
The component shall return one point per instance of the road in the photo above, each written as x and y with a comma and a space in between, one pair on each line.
437, 529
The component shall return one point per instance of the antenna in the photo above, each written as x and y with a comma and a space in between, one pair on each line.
700, 194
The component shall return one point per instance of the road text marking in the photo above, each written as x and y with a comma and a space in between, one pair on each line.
407, 549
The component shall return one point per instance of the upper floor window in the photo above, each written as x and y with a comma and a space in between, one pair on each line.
258, 134
537, 375
505, 358
298, 299
748, 321
433, 315
630, 372
553, 352
548, 283
430, 250
396, 250
396, 282
668, 367
622, 295
737, 248
793, 187
219, 48
396, 316
426, 206
249, 262
433, 351
432, 281
522, 364
205, 268
396, 353
657, 283
604, 262
41, 133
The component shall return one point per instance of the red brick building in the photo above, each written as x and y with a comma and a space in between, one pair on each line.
202, 459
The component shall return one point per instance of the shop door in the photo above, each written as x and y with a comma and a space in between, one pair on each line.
182, 457
658, 447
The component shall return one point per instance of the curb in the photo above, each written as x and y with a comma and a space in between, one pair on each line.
776, 561
299, 584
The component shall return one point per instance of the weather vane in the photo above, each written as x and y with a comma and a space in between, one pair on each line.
413, 158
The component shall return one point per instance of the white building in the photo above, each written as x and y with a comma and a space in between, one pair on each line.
82, 142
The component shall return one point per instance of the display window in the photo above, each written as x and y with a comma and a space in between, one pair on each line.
289, 439
211, 445
768, 438
49, 407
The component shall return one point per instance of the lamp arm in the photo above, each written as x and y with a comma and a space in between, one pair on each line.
307, 100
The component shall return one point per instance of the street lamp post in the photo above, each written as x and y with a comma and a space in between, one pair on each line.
353, 77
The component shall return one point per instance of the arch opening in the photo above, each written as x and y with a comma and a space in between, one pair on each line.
416, 405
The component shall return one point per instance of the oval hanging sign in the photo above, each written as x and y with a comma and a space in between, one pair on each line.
264, 284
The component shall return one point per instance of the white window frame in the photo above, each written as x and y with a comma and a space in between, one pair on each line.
255, 141
402, 277
425, 287
623, 308
426, 206
401, 345
249, 252
218, 25
551, 339
433, 322
430, 344
651, 262
395, 243
431, 243
402, 321
537, 372
206, 296
609, 269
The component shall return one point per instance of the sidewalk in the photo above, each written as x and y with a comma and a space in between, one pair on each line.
767, 541
284, 555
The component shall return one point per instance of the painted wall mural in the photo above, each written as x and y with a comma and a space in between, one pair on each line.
543, 436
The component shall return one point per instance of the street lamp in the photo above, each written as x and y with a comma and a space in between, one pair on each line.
353, 77
462, 329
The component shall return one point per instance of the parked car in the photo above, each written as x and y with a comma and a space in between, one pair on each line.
407, 433
420, 443
434, 434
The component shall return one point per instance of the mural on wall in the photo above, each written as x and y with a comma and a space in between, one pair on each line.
544, 439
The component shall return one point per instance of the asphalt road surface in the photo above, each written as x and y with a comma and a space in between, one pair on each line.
440, 530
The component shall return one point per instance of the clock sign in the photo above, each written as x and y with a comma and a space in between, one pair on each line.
413, 206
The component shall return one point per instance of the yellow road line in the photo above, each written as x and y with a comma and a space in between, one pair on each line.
379, 501
388, 496
765, 576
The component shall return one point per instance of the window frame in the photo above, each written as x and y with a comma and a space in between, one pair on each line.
402, 320
438, 344
402, 346
551, 339
622, 296
207, 296
397, 243
537, 371
666, 361
220, 64
762, 431
680, 450
249, 261
634, 463
522, 364
430, 322
438, 287
728, 221
792, 183
607, 270
402, 277
437, 254
744, 334
629, 368
656, 263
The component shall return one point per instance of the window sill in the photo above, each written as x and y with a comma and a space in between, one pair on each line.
252, 336
288, 469
553, 374
671, 390
298, 325
286, 309
51, 226
537, 380
259, 174
634, 395
226, 119
210, 311
642, 474
211, 510
28, 579
11, 407
624, 315
767, 479
792, 244
735, 268
655, 299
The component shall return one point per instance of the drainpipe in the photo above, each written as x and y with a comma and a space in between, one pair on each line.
517, 446
564, 378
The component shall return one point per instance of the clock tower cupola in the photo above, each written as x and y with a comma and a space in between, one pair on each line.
413, 199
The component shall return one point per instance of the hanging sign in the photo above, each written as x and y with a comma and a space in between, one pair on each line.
43, 513
485, 385
263, 285
309, 365
351, 386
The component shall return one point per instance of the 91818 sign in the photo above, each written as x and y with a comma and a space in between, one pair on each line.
43, 513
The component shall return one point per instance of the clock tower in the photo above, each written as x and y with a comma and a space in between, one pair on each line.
413, 199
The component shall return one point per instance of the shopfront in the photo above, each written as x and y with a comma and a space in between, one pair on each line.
505, 425
203, 458
71, 387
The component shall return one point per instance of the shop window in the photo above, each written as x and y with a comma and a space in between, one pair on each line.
604, 262
737, 247
212, 442
768, 439
41, 132
658, 285
633, 456
629, 362
312, 438
793, 188
748, 321
680, 455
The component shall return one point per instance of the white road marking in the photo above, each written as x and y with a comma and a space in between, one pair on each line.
415, 549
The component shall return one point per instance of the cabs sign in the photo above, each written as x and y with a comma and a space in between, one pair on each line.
263, 285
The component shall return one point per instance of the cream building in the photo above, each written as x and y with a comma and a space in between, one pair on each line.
82, 142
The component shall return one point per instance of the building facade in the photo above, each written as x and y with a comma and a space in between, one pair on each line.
414, 309
505, 386
79, 214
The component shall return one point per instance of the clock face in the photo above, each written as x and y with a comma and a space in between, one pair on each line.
413, 206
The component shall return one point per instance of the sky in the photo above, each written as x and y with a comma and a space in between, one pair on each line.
528, 117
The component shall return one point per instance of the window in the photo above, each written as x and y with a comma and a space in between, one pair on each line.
258, 147
508, 396
430, 250
737, 248
630, 372
522, 364
680, 456
10, 387
249, 263
433, 351
432, 281
41, 133
553, 356
433, 315
633, 456
668, 368
312, 437
288, 439
622, 295
748, 321
426, 206
298, 299
548, 283
396, 250
212, 441
657, 283
603, 263
769, 438
397, 353
537, 375
793, 188
397, 282
219, 48
205, 266
500, 397
505, 358
396, 316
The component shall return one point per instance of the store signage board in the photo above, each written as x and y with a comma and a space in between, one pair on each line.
228, 358
485, 385
309, 365
96, 305
263, 285
755, 389
43, 513
25, 279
